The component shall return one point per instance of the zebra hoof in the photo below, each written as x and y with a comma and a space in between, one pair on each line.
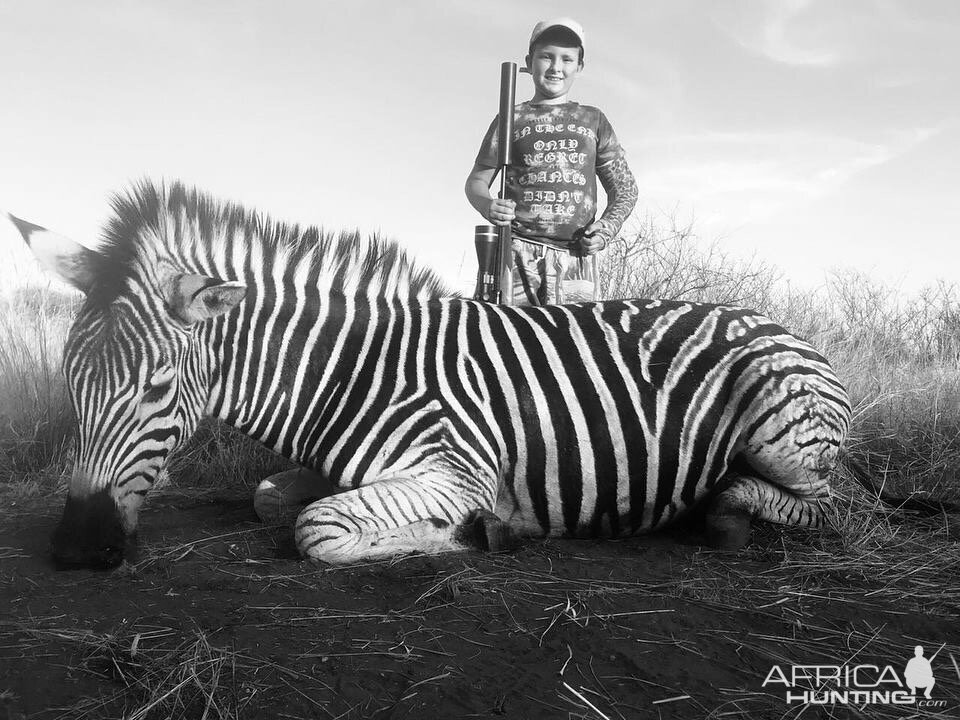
280, 498
485, 530
728, 531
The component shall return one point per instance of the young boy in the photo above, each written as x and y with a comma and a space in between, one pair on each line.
560, 148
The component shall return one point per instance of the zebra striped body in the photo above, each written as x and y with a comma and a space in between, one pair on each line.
594, 419
582, 420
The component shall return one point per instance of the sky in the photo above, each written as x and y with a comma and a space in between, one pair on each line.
811, 134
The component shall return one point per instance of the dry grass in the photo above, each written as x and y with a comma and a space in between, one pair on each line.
866, 566
155, 672
219, 456
35, 416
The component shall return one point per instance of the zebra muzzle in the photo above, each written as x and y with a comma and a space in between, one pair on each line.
91, 535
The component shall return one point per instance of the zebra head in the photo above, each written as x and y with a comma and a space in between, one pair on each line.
138, 377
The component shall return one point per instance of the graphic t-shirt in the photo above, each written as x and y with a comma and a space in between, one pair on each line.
553, 178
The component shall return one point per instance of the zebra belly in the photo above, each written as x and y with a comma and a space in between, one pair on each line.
551, 514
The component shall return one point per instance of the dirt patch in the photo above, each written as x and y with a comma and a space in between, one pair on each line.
219, 618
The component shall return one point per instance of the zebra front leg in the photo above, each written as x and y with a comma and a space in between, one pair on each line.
281, 497
430, 513
746, 498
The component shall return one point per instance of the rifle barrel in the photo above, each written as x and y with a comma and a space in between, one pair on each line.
508, 93
508, 90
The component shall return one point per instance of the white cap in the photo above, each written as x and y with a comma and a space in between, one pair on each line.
564, 22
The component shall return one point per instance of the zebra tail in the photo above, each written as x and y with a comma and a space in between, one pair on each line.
922, 506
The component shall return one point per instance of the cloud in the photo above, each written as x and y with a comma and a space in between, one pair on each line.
740, 178
783, 32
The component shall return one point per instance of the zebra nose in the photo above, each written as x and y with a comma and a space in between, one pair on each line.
90, 534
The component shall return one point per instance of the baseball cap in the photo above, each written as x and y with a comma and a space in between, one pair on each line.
564, 22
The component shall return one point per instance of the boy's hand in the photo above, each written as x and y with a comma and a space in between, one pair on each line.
595, 237
501, 212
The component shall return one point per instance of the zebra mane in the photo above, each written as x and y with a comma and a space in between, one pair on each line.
339, 262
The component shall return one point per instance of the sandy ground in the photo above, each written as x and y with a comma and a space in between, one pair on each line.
219, 618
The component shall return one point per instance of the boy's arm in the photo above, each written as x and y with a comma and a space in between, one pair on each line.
477, 189
621, 188
619, 184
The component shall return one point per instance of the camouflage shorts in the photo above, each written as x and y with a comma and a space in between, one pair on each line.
544, 275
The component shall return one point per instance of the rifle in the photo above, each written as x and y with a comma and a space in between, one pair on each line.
494, 276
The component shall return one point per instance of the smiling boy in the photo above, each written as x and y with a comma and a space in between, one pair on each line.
560, 148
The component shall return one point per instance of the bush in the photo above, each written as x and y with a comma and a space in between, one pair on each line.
667, 260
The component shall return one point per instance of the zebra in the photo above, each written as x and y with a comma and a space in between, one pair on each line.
425, 422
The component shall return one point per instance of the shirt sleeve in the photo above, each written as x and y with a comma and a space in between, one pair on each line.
487, 155
608, 146
617, 179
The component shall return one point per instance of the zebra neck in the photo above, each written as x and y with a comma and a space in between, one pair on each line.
289, 372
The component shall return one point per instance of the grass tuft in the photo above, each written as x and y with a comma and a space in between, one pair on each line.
36, 422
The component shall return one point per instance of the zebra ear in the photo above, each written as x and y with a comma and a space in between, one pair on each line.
70, 261
195, 298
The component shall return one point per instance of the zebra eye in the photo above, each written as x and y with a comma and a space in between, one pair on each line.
161, 377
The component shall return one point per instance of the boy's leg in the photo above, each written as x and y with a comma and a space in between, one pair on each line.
527, 279
545, 295
572, 279
554, 266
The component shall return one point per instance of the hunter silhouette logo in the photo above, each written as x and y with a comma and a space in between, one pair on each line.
858, 684
919, 673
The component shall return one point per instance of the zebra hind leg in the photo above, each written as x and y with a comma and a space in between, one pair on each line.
430, 514
747, 498
281, 497
781, 472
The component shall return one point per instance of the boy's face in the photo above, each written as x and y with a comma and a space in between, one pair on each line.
554, 68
